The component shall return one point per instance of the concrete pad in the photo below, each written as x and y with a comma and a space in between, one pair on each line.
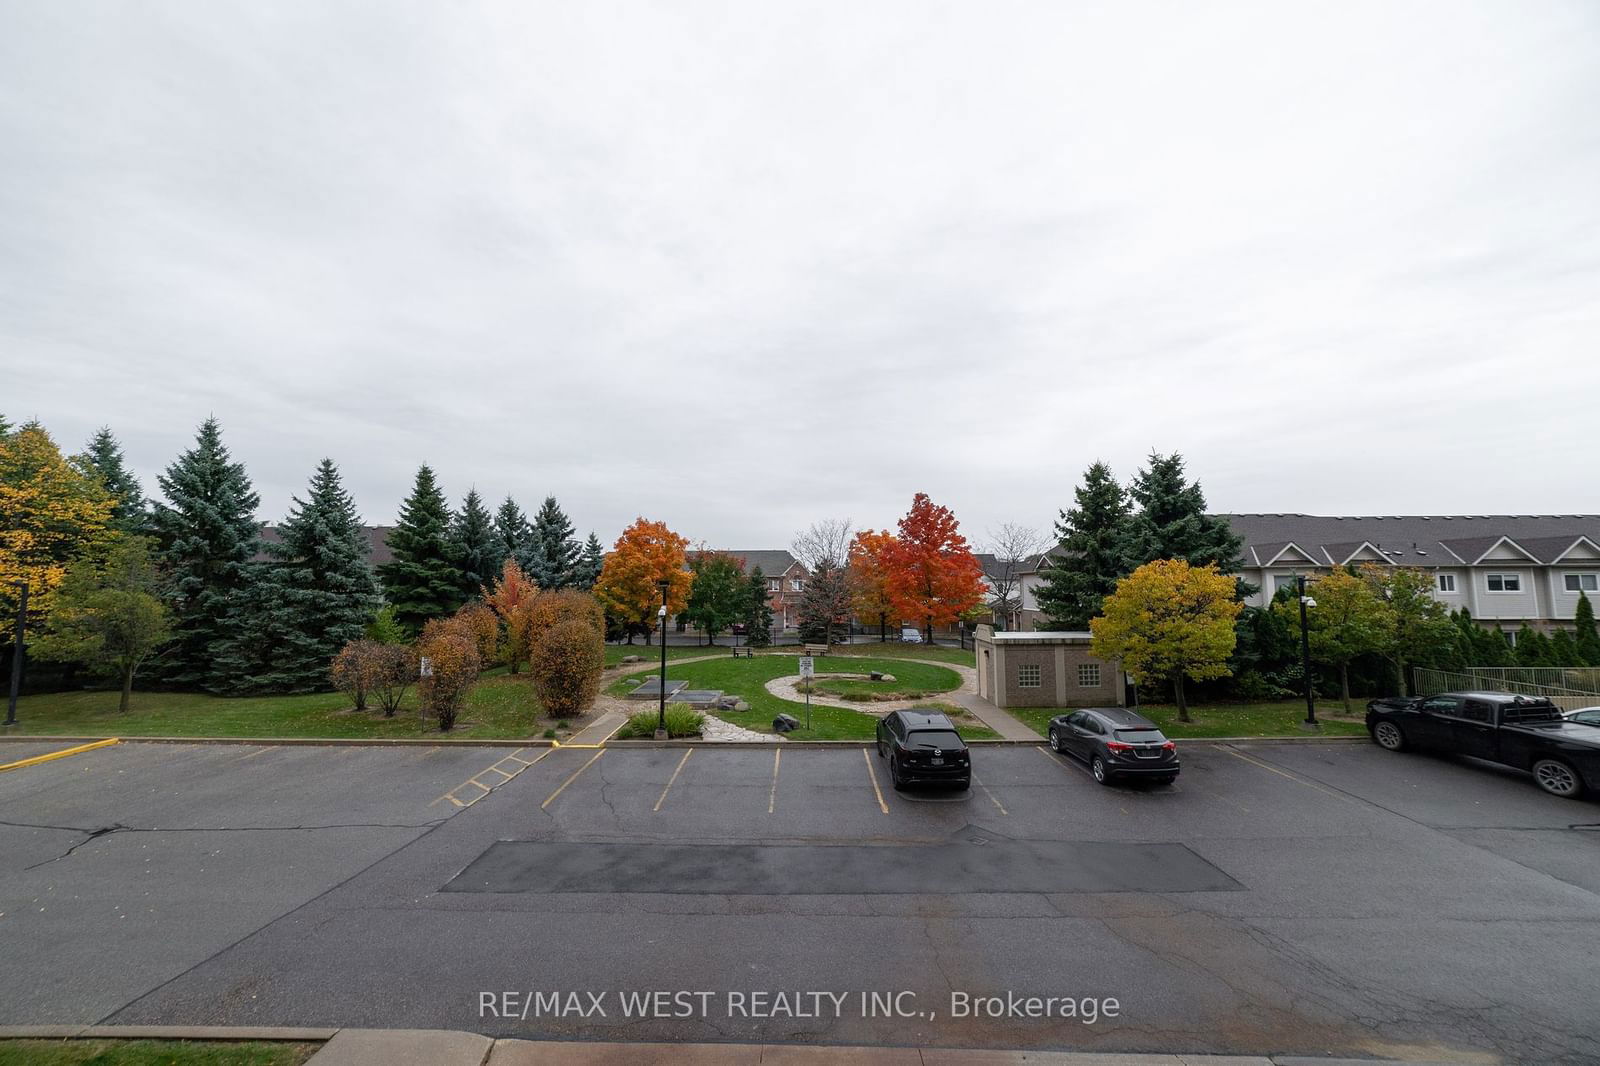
584, 1053
403, 1047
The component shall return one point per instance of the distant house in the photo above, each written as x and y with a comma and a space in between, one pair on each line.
1506, 570
786, 582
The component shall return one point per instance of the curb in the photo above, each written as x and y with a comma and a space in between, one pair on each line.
62, 754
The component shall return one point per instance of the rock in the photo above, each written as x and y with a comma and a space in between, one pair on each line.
884, 677
740, 705
784, 723
727, 703
877, 675
632, 659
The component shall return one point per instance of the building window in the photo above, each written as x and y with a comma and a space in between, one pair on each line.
1447, 582
1029, 675
797, 584
1505, 582
1582, 582
775, 585
1284, 581
1088, 675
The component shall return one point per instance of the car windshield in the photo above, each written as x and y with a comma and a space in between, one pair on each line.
934, 738
1141, 735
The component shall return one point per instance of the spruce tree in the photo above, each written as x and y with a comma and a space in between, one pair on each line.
1089, 560
104, 458
511, 529
554, 549
1564, 650
5, 427
758, 611
422, 581
1172, 522
590, 563
316, 593
1585, 635
475, 546
1533, 647
208, 539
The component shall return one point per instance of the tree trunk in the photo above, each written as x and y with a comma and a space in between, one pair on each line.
1183, 704
127, 689
883, 627
1344, 686
930, 630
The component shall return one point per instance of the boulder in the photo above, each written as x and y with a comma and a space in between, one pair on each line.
740, 705
884, 677
785, 723
632, 659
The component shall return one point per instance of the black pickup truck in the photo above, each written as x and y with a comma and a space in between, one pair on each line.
1519, 731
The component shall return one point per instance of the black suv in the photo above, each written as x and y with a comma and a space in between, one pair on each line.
1116, 742
923, 746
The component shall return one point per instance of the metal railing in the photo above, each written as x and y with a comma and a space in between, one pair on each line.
1568, 687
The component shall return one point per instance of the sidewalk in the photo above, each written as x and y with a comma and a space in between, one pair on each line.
1009, 727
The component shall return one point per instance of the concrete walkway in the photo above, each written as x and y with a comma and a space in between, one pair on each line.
428, 1047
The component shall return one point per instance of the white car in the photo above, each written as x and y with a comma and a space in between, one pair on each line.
1584, 716
909, 635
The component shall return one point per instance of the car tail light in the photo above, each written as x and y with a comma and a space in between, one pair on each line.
1117, 745
1169, 746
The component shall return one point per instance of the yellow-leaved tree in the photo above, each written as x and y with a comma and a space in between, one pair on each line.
52, 511
1167, 621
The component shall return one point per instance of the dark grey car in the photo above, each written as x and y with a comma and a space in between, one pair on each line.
1116, 743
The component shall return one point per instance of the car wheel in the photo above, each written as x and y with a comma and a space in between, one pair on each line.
1557, 778
1097, 767
894, 774
1389, 737
1166, 779
881, 752
964, 785
1055, 742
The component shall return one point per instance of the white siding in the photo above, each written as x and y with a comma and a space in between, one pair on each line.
1492, 605
1564, 603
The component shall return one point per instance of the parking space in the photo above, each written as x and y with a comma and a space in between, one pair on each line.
1267, 898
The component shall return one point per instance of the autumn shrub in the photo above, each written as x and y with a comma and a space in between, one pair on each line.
479, 621
512, 599
519, 634
566, 664
351, 671
453, 666
391, 669
555, 606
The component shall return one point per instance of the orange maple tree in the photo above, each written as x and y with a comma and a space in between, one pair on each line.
869, 577
931, 572
646, 553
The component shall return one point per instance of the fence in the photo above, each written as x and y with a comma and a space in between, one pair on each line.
1567, 687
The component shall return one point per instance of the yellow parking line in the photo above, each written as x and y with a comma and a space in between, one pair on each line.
451, 795
772, 797
551, 798
37, 759
872, 775
986, 792
670, 780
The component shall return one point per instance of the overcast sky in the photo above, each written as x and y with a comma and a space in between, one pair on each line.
742, 266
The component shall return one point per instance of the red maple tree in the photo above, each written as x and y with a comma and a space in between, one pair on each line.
931, 572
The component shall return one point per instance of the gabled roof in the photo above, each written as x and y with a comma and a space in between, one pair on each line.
774, 562
1413, 540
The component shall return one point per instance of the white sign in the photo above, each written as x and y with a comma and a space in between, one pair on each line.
426, 667
807, 667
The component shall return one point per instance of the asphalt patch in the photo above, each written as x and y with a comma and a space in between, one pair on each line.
958, 867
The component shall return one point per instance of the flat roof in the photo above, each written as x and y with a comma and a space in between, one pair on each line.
1043, 636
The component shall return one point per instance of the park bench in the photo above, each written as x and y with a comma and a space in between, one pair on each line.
816, 649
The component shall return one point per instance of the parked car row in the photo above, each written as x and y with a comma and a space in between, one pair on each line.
1561, 750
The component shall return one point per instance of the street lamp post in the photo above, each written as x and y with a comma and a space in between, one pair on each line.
661, 619
1305, 651
16, 652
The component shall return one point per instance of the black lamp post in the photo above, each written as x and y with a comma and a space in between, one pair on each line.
1305, 650
16, 652
661, 618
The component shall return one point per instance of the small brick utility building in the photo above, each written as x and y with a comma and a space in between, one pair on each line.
1044, 669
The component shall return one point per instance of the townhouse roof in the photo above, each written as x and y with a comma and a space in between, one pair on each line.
772, 561
1408, 540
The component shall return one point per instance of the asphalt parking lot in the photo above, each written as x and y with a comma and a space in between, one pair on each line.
1311, 898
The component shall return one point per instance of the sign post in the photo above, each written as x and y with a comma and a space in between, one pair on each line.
808, 670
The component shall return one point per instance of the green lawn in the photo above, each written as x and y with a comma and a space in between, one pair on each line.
150, 1053
1281, 719
652, 653
499, 706
747, 678
911, 680
893, 650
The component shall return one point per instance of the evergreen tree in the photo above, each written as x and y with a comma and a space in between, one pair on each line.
824, 605
316, 593
5, 427
512, 531
758, 611
475, 546
1564, 650
422, 581
554, 549
590, 563
1172, 522
1533, 647
1089, 560
1585, 635
208, 539
104, 459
